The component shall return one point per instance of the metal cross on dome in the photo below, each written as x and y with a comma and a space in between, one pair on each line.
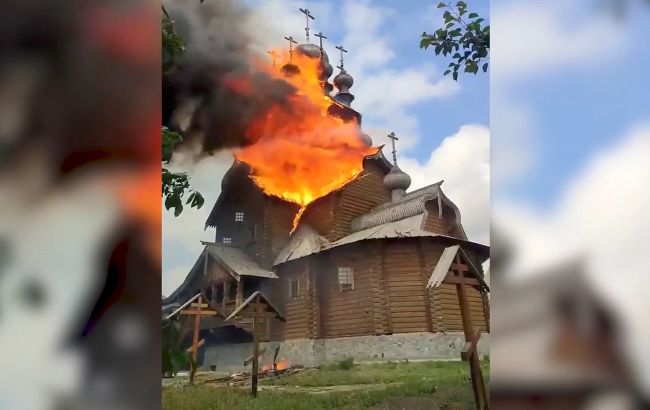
342, 50
307, 17
321, 36
393, 138
291, 43
274, 55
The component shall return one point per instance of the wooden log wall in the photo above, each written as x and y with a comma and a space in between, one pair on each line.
357, 198
347, 312
320, 214
277, 225
409, 310
298, 311
435, 224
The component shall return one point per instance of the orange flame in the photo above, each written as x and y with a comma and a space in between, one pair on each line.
301, 153
281, 365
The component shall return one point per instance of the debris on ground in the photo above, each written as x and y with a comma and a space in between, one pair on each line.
244, 378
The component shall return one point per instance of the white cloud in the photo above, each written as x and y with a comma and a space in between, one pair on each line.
514, 138
463, 161
182, 235
602, 214
532, 38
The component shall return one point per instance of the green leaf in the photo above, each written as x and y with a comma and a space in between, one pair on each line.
442, 5
472, 15
485, 67
446, 72
455, 75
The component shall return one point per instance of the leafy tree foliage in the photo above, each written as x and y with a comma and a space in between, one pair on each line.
175, 185
463, 37
174, 358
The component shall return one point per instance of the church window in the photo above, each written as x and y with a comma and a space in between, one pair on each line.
239, 217
346, 278
226, 240
294, 288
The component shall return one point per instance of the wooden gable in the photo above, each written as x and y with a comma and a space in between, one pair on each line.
357, 198
450, 261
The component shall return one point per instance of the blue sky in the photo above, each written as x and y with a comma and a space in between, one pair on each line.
579, 107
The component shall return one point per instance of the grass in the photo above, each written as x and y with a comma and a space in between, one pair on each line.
425, 384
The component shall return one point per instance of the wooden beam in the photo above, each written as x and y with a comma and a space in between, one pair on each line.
193, 348
198, 312
470, 346
195, 340
202, 305
249, 359
249, 314
456, 280
478, 386
226, 293
239, 298
256, 348
459, 267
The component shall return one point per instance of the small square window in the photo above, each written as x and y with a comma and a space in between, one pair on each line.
346, 278
226, 240
239, 217
294, 288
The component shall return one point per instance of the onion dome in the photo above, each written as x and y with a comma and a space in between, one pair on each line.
343, 81
311, 50
397, 179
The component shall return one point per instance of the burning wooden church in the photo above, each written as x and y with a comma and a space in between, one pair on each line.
347, 267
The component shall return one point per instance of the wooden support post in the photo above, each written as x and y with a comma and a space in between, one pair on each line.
480, 395
214, 291
239, 298
256, 347
224, 300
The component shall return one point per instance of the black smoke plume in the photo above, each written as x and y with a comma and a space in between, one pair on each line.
213, 77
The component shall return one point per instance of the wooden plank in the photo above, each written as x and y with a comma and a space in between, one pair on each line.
456, 280
192, 348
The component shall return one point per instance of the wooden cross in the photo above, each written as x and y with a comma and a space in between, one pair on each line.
307, 17
342, 50
196, 343
274, 55
469, 352
257, 313
321, 36
393, 138
291, 43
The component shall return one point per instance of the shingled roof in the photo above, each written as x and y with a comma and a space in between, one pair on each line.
412, 204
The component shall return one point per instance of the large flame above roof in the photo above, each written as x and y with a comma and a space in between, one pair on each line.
301, 153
